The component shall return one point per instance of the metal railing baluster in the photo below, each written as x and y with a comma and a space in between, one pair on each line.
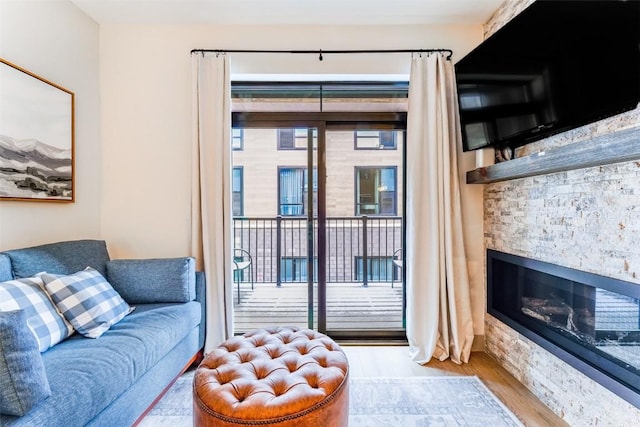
350, 239
278, 251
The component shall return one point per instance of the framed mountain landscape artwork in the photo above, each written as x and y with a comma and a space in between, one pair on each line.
36, 137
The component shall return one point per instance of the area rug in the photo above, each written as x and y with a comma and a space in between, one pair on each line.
425, 401
379, 402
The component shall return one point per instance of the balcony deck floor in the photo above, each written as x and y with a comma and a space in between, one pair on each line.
350, 306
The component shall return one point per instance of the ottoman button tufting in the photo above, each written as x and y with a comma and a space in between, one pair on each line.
279, 376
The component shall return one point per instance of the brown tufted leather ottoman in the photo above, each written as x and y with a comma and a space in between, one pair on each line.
280, 376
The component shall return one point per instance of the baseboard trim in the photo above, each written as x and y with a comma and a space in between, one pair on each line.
478, 343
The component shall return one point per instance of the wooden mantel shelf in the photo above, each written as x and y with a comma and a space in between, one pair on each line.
614, 147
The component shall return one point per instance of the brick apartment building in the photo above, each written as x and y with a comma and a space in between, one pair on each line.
364, 194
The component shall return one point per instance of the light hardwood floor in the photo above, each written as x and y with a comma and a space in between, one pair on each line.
393, 361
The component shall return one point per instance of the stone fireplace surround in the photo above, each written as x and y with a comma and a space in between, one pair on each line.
586, 219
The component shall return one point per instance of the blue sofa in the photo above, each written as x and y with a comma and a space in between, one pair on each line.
114, 379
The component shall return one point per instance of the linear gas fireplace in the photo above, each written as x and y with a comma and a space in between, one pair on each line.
590, 321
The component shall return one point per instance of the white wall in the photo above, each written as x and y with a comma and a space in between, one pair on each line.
146, 113
133, 115
58, 42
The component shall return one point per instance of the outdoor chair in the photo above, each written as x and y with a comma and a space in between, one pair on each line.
398, 261
241, 261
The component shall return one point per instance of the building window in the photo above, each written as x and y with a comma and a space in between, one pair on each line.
379, 269
237, 183
376, 191
375, 139
237, 139
294, 269
293, 191
294, 139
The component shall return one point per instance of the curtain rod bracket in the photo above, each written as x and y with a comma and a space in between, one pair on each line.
320, 57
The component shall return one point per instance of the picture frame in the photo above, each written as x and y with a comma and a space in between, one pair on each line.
37, 144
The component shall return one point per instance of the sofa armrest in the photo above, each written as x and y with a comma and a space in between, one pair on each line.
159, 280
201, 283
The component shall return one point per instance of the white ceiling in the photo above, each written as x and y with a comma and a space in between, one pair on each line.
305, 12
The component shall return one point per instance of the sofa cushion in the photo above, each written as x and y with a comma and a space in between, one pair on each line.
87, 301
6, 272
142, 281
23, 380
47, 324
59, 258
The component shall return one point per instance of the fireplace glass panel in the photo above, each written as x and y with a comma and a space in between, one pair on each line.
594, 318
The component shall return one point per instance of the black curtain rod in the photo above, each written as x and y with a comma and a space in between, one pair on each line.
320, 52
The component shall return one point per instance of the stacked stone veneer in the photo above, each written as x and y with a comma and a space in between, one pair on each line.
587, 219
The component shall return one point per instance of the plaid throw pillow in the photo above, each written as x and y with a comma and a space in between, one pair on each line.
44, 320
87, 301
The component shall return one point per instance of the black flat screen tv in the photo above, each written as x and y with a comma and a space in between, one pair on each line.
556, 66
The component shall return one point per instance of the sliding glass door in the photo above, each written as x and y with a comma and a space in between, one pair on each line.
322, 199
276, 232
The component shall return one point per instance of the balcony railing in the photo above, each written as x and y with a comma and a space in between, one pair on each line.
358, 249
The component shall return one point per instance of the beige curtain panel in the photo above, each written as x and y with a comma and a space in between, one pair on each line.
211, 214
439, 322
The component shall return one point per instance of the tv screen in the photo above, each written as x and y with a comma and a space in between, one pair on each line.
555, 66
